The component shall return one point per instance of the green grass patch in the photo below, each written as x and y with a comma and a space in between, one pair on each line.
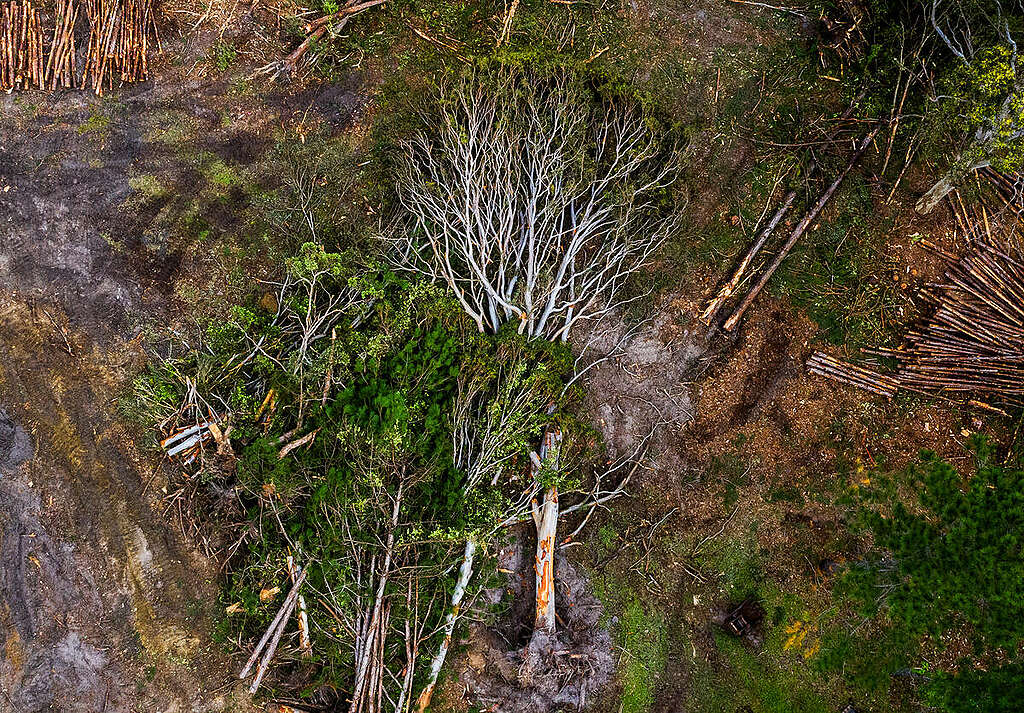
742, 679
642, 636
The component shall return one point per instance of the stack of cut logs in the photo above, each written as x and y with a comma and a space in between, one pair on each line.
971, 348
32, 56
21, 46
974, 342
861, 377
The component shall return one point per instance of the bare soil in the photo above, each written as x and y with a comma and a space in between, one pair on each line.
105, 604
507, 667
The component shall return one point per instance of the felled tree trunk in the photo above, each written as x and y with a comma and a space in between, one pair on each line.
545, 517
943, 187
465, 572
926, 203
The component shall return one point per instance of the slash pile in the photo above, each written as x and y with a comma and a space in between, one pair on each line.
111, 45
971, 347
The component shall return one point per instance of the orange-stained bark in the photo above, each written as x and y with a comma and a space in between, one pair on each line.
546, 519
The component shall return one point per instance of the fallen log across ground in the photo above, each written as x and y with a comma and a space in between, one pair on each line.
798, 231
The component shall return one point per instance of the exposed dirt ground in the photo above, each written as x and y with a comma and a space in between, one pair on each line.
107, 607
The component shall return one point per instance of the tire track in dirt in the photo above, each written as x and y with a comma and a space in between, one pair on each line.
98, 595
103, 606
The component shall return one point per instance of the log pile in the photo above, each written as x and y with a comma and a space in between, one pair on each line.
970, 349
46, 46
973, 345
120, 35
21, 46
847, 373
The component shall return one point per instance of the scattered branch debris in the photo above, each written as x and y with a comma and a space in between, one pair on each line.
315, 30
273, 636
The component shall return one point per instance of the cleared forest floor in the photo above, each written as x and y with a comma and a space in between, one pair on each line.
159, 203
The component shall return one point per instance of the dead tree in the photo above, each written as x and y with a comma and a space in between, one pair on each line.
545, 519
530, 205
492, 421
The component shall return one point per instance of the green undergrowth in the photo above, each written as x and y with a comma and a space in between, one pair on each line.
642, 634
640, 631
740, 678
769, 673
382, 399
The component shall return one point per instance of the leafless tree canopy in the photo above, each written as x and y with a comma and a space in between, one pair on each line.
530, 204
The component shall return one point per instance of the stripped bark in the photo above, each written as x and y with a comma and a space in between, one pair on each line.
545, 519
305, 643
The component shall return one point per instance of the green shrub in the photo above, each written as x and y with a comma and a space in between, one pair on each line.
957, 559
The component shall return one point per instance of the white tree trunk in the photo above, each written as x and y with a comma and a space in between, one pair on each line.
465, 572
545, 517
942, 188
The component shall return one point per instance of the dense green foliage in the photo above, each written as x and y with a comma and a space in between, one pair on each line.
999, 690
389, 398
958, 560
950, 566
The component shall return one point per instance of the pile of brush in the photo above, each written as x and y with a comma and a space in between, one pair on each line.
54, 45
970, 349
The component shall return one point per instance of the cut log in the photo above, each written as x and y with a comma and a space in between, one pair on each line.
802, 226
545, 517
737, 276
297, 443
277, 625
305, 643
